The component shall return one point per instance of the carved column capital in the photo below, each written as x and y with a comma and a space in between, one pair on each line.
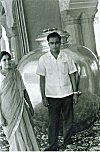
75, 9
77, 19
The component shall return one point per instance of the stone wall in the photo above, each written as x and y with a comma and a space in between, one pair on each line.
40, 15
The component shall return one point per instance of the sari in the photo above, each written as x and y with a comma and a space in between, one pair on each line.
19, 130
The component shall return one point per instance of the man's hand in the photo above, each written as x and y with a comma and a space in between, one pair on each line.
45, 102
75, 98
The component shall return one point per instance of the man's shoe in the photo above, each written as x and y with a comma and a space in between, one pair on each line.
69, 142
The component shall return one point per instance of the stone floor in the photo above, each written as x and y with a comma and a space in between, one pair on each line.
87, 140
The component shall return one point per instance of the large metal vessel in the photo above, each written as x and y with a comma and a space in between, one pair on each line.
87, 78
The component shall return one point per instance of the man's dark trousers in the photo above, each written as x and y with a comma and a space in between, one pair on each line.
56, 106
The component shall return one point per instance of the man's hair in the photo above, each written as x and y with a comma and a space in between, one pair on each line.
4, 53
52, 35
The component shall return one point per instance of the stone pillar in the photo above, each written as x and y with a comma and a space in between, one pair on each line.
77, 18
3, 45
12, 19
1, 9
19, 40
97, 30
21, 27
10, 30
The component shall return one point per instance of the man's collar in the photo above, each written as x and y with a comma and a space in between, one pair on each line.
59, 55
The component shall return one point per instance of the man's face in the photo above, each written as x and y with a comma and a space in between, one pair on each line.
54, 44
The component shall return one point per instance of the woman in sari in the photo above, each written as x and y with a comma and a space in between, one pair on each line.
15, 108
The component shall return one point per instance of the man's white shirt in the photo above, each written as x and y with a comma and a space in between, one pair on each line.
56, 72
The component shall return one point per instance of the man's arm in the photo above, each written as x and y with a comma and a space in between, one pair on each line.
42, 88
74, 86
73, 82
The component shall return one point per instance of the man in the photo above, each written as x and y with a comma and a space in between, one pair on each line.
58, 89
